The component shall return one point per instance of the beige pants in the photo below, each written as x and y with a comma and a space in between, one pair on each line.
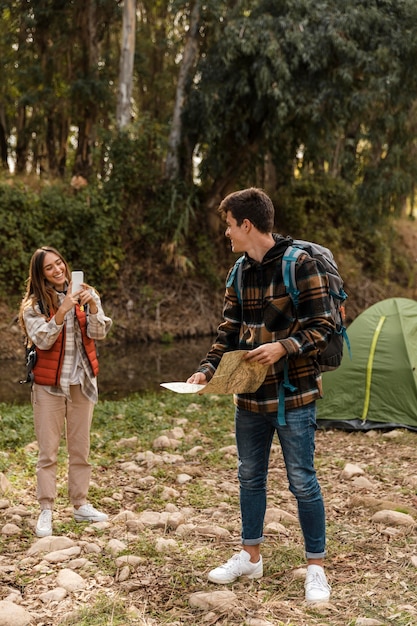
51, 413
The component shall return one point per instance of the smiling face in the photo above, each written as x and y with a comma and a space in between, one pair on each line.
237, 234
54, 270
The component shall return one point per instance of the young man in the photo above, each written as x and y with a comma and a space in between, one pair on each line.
265, 323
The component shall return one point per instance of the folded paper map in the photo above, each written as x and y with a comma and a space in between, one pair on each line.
233, 375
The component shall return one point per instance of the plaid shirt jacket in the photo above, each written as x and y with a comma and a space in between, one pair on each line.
267, 314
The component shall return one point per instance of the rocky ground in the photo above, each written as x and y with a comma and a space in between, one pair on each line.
148, 564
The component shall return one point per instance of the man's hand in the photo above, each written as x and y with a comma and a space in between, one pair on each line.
198, 378
267, 354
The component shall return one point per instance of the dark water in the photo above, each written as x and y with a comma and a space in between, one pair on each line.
124, 369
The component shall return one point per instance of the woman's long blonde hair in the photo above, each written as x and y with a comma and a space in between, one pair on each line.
38, 290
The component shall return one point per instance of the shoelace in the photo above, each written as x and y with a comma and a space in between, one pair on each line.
235, 565
316, 581
44, 517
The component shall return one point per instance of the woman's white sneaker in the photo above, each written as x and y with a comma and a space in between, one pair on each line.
238, 565
44, 524
87, 513
316, 586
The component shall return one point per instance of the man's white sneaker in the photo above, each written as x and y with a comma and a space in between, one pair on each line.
87, 513
316, 585
238, 565
44, 524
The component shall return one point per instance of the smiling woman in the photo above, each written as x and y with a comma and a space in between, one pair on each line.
63, 326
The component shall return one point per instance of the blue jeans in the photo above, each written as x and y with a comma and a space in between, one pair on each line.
254, 434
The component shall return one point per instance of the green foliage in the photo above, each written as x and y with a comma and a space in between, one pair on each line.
133, 182
82, 226
207, 260
20, 234
293, 96
16, 428
86, 228
285, 79
325, 210
321, 209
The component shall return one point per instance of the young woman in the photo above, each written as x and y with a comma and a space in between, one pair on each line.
63, 326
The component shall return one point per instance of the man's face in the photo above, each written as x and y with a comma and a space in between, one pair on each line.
236, 234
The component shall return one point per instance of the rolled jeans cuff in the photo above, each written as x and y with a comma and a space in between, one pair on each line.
252, 542
315, 555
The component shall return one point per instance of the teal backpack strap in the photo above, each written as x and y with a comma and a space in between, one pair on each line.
346, 338
284, 384
289, 259
235, 278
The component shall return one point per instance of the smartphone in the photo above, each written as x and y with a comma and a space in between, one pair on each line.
77, 278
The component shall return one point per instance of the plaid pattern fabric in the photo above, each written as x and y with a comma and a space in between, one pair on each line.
43, 333
267, 314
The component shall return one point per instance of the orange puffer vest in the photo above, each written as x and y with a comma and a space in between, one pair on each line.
47, 370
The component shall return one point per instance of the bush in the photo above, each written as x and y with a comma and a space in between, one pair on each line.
82, 226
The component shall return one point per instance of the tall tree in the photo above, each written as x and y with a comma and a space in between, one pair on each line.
189, 59
124, 105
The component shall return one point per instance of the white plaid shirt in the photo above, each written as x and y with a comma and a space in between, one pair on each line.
75, 368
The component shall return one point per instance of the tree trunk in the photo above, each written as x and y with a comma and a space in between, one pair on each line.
21, 140
172, 163
86, 21
124, 112
3, 140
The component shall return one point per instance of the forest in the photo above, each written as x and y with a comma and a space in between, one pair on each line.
123, 124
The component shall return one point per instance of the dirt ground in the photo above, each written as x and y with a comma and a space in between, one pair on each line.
371, 564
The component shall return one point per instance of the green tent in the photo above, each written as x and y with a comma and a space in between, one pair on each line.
377, 386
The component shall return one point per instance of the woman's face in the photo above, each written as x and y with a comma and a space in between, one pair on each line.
54, 270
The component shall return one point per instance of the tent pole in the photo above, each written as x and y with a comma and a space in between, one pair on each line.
369, 367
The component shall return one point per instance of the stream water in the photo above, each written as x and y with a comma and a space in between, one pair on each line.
124, 369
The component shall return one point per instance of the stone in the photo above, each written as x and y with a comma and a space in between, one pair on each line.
59, 556
115, 546
129, 559
5, 484
131, 467
360, 482
127, 442
13, 615
169, 493
163, 443
123, 574
278, 515
213, 531
393, 518
215, 600
54, 595
182, 479
49, 544
350, 470
276, 528
11, 529
69, 580
175, 519
166, 545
